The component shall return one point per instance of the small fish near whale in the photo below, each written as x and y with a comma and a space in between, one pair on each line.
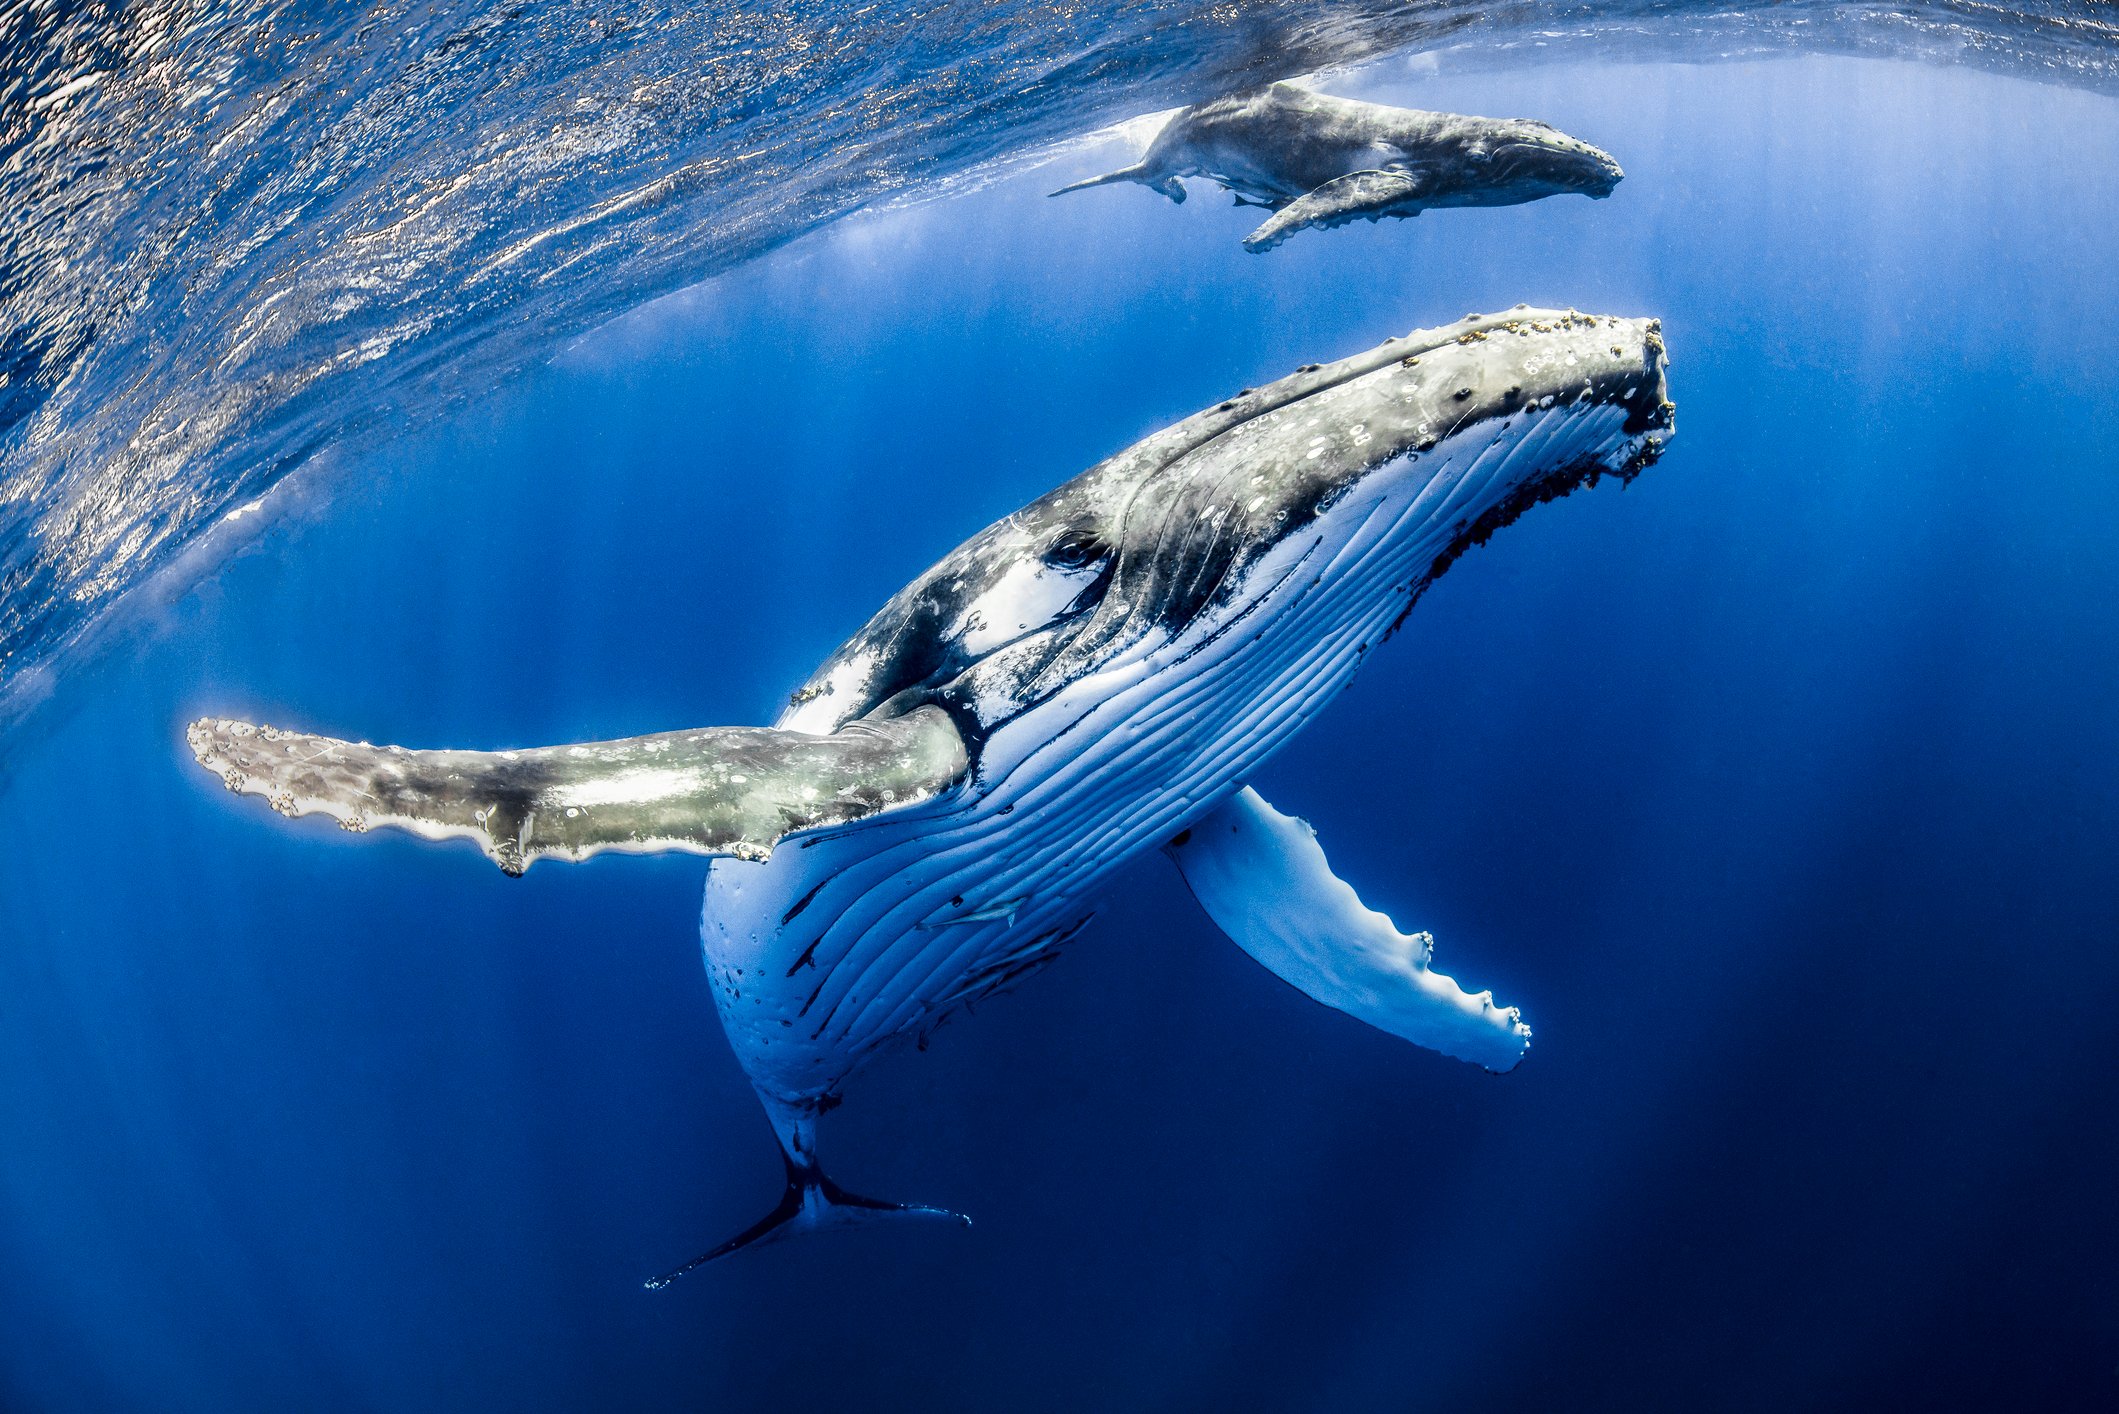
1317, 161
1094, 677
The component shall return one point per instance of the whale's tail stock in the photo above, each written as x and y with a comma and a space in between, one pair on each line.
811, 1201
1138, 172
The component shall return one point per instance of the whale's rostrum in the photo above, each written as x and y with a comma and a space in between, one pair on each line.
1092, 677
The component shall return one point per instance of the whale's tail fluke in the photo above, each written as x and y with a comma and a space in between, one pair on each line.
1138, 172
810, 1201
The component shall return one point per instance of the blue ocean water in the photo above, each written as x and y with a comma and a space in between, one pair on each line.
1780, 788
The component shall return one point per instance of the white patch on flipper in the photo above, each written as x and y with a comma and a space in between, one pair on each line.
640, 783
1262, 877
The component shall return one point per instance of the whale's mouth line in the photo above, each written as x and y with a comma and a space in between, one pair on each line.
1570, 478
1557, 484
1649, 420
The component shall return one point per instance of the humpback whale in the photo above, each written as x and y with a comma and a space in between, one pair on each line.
1093, 677
1319, 161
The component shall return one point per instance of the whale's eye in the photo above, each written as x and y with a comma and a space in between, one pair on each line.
1077, 549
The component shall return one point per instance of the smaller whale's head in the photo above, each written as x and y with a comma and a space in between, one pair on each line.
1534, 159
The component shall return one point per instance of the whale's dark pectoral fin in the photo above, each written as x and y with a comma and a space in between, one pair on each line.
1356, 196
811, 1202
1262, 877
718, 790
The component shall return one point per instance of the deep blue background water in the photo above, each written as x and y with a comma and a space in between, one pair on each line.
1781, 789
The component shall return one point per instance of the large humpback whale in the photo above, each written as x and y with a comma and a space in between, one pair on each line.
1321, 161
1092, 677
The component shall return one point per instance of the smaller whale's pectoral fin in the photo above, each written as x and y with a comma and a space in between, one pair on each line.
1138, 172
715, 790
1262, 877
1356, 196
810, 1202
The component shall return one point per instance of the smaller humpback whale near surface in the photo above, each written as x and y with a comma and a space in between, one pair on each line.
1095, 676
1318, 161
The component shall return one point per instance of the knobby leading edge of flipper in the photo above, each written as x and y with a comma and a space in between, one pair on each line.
1262, 877
1357, 196
716, 790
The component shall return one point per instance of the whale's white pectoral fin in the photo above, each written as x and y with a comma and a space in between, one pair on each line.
1262, 877
1349, 198
717, 790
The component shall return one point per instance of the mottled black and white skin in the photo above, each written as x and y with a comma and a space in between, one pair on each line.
1318, 161
1095, 676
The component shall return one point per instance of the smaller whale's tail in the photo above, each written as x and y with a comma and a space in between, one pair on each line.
810, 1201
1138, 172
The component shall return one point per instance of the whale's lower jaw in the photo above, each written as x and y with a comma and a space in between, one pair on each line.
856, 937
1562, 482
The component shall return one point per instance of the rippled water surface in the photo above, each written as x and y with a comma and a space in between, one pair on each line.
1781, 788
234, 234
